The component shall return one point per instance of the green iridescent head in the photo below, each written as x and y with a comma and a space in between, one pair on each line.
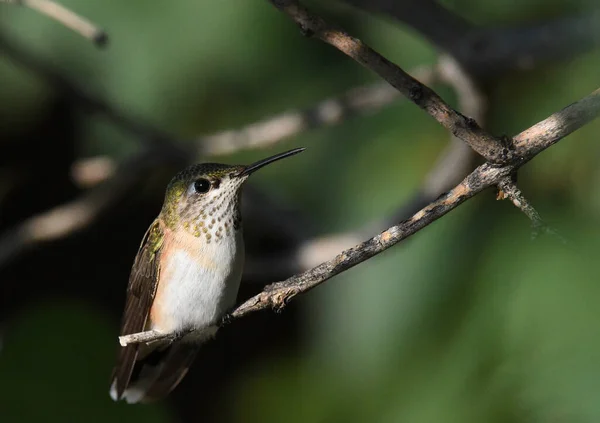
204, 198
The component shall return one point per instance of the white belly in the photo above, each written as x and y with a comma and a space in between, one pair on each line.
196, 289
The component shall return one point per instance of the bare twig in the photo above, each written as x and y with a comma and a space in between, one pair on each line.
549, 131
66, 17
360, 100
279, 294
493, 149
145, 337
511, 191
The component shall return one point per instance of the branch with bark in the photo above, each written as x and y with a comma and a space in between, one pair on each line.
278, 295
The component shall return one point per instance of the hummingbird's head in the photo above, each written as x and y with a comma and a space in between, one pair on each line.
204, 198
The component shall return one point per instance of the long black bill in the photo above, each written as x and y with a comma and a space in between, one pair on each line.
261, 163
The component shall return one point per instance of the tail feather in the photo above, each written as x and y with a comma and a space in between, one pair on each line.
156, 374
123, 370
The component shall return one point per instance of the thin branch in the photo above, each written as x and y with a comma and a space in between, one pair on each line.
491, 148
279, 294
511, 191
145, 337
66, 17
549, 131
357, 101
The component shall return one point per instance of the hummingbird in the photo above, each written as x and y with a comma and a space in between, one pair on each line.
185, 277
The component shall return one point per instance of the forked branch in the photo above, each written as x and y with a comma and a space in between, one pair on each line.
277, 295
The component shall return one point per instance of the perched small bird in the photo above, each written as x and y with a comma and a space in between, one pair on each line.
185, 277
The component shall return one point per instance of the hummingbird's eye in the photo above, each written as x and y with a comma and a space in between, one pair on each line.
201, 186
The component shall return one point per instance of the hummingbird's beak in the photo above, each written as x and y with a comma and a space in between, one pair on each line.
261, 163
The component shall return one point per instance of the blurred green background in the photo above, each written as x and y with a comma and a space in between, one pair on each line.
468, 321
